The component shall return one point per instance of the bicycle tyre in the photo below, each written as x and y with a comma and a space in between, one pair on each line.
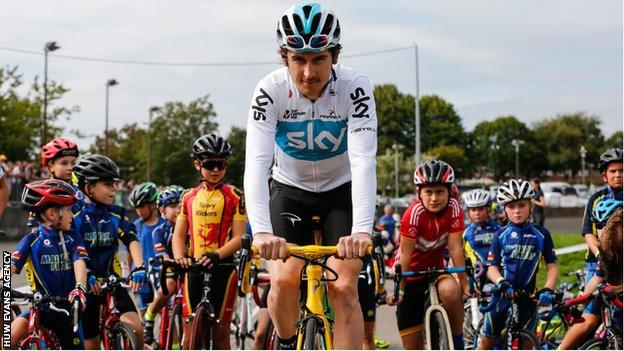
525, 336
123, 337
595, 344
554, 329
174, 330
202, 331
438, 331
471, 335
312, 335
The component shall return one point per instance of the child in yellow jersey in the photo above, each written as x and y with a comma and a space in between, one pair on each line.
213, 213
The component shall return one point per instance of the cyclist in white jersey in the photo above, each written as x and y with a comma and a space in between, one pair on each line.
314, 122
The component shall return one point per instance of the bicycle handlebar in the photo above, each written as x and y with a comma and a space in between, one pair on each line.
399, 274
194, 267
38, 299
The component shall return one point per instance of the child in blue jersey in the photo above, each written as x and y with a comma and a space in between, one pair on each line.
102, 225
513, 261
169, 206
54, 257
479, 233
143, 199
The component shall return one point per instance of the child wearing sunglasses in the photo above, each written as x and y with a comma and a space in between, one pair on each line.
213, 215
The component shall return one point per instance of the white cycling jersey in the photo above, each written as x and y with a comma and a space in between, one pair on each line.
313, 145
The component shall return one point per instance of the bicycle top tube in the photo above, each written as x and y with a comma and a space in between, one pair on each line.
435, 271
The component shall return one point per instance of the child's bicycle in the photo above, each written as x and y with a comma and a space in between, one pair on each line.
611, 336
315, 329
515, 335
437, 328
171, 328
555, 320
204, 317
115, 334
38, 337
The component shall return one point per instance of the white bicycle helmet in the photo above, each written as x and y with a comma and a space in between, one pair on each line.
476, 198
308, 27
515, 189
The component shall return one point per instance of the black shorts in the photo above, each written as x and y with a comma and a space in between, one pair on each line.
367, 290
292, 210
91, 316
222, 293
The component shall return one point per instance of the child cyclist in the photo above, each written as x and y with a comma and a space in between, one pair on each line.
607, 218
169, 206
54, 257
478, 235
102, 225
431, 224
143, 198
513, 261
213, 213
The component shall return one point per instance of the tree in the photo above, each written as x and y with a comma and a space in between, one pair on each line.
563, 135
395, 114
236, 169
615, 140
386, 173
453, 155
21, 116
493, 151
440, 124
127, 146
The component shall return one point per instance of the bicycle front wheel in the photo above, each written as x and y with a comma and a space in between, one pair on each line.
438, 330
595, 344
202, 332
123, 337
524, 340
174, 330
313, 338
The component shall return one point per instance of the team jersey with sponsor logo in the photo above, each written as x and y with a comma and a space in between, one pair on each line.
588, 226
49, 270
517, 250
162, 237
477, 240
314, 145
101, 227
209, 212
431, 231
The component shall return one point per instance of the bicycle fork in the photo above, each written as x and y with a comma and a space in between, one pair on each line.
314, 306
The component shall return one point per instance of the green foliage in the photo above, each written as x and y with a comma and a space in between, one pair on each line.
395, 114
21, 116
440, 124
563, 135
453, 155
236, 168
386, 165
568, 262
127, 146
615, 140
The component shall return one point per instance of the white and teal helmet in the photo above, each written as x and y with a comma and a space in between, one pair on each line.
308, 27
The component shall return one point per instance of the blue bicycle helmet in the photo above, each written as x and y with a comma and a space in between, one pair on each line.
603, 210
308, 27
170, 195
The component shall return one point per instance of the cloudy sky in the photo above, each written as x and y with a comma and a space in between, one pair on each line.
531, 59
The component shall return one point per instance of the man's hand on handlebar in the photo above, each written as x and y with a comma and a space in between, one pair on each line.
270, 247
354, 245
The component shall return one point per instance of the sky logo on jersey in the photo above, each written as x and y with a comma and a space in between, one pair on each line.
312, 140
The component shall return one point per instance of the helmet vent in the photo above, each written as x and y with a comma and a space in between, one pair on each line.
329, 21
298, 23
286, 25
315, 22
306, 10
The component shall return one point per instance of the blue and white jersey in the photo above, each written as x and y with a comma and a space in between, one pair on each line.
517, 250
479, 237
315, 145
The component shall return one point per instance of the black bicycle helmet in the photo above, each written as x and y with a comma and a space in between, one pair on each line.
144, 193
434, 172
211, 145
93, 168
609, 156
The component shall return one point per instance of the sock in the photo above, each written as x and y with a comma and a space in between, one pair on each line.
458, 341
287, 344
149, 316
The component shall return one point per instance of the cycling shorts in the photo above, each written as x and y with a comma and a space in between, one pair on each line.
495, 321
91, 316
144, 298
61, 325
594, 306
411, 311
292, 210
367, 290
222, 293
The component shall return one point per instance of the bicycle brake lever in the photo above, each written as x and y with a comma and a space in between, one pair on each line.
56, 309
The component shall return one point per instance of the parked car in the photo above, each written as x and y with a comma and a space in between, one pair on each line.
582, 190
561, 194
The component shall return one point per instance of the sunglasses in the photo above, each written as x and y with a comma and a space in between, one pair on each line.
317, 42
212, 164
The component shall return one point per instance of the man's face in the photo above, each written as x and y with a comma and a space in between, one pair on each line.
434, 197
310, 71
613, 175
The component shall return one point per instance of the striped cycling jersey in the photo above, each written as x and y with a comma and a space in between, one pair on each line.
210, 212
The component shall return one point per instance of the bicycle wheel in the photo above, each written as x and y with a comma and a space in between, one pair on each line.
552, 331
123, 337
440, 339
202, 332
524, 340
312, 337
470, 333
595, 344
174, 330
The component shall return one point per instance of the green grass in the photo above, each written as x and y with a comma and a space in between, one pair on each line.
568, 262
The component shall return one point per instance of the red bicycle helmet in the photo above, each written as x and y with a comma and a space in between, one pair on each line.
58, 147
43, 194
434, 172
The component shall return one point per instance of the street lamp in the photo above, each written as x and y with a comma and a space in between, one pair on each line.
583, 154
517, 143
396, 149
48, 47
416, 109
109, 83
152, 110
